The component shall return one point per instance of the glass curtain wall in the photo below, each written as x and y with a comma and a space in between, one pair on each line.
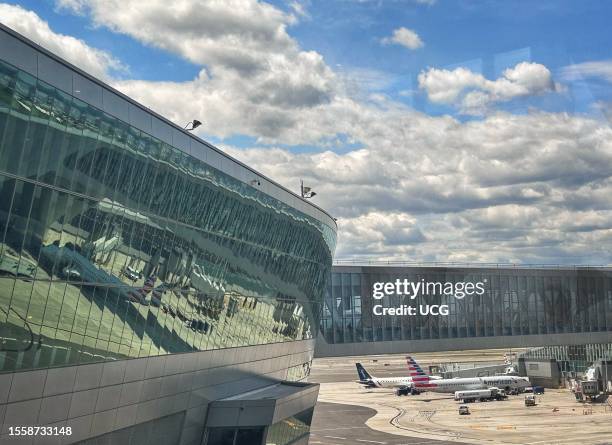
516, 301
114, 244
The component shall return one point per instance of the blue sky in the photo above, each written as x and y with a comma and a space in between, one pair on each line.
438, 130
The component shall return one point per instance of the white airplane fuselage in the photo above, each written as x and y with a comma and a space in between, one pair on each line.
392, 382
466, 384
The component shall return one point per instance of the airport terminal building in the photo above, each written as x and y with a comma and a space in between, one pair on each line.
520, 306
143, 296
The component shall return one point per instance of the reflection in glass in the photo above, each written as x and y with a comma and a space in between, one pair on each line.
290, 429
114, 244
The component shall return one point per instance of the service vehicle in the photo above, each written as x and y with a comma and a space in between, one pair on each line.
482, 395
464, 410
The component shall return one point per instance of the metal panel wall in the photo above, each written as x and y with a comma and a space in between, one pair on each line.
99, 398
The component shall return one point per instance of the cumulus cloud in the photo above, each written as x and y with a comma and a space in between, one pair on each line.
252, 73
404, 37
472, 93
96, 62
241, 35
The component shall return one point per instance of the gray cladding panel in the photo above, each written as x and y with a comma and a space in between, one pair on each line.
115, 105
151, 389
155, 366
103, 422
135, 369
98, 398
139, 118
213, 158
223, 417
161, 130
198, 150
27, 385
88, 376
180, 140
130, 393
86, 90
54, 409
5, 386
54, 73
19, 54
21, 413
60, 381
126, 416
108, 397
113, 372
81, 429
83, 403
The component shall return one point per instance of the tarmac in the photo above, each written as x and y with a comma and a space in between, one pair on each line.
557, 419
336, 424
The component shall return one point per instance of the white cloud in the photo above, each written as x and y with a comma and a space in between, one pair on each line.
96, 62
243, 36
404, 37
357, 80
601, 69
472, 93
299, 8
253, 72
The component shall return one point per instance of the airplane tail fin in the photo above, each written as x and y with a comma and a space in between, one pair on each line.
363, 374
415, 371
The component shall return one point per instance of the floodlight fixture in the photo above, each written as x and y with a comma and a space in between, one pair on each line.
194, 124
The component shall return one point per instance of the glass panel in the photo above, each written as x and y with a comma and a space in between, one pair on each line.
114, 244
221, 436
516, 301
288, 430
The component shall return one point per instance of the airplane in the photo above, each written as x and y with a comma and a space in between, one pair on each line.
417, 374
426, 384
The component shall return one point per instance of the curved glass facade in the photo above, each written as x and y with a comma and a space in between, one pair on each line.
114, 244
516, 301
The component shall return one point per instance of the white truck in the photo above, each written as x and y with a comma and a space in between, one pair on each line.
483, 395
